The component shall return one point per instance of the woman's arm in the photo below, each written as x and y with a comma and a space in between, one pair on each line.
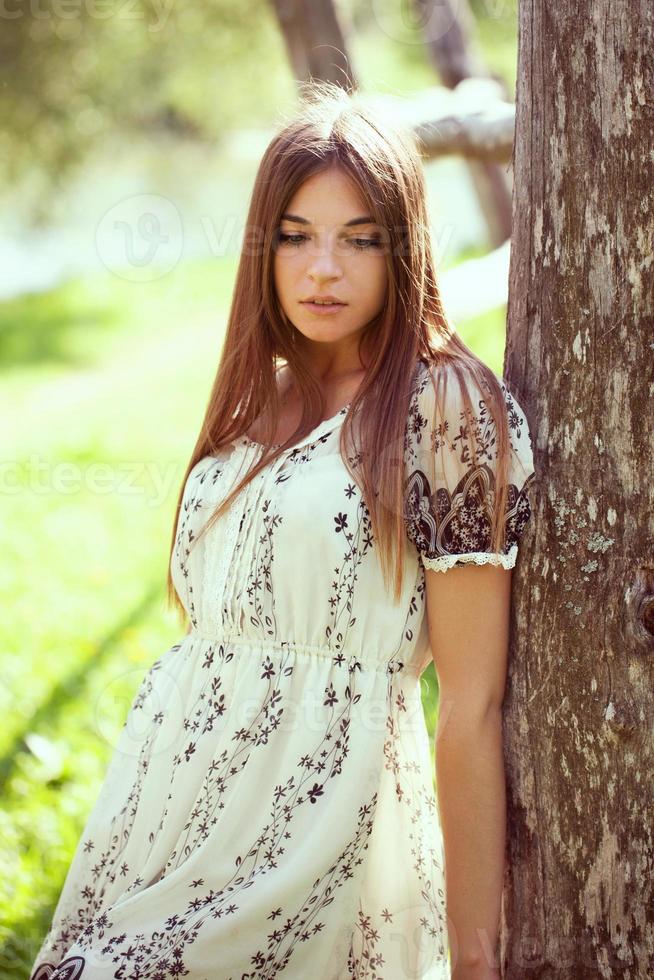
468, 616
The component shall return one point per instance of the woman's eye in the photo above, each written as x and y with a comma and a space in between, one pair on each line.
291, 239
361, 243
365, 243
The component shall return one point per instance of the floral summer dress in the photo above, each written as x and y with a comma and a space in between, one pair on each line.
269, 809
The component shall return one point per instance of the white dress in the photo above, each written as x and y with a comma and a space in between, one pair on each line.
269, 808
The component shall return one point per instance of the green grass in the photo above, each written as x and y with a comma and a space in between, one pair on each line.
97, 371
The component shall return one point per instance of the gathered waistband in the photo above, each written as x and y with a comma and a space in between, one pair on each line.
394, 664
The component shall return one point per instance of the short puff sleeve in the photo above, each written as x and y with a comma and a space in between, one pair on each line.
449, 496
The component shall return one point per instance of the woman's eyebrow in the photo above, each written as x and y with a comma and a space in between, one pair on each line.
364, 220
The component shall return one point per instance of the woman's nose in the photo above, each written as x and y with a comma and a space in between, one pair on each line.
325, 259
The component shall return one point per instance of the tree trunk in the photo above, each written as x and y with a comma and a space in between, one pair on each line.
315, 41
448, 26
579, 714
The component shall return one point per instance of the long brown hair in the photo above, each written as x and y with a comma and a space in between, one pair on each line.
336, 128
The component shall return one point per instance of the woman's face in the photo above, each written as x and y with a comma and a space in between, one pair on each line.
325, 248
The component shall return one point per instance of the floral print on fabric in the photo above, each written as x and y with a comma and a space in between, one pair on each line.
449, 497
269, 809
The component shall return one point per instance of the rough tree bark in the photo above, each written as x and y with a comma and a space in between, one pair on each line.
579, 710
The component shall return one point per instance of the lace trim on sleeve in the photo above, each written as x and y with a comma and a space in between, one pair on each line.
441, 563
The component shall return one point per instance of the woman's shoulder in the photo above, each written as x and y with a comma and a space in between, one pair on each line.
454, 379
441, 415
201, 474
452, 456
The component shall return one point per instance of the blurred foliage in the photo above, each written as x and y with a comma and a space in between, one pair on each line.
68, 77
75, 73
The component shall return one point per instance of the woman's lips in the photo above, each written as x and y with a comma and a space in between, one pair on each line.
322, 309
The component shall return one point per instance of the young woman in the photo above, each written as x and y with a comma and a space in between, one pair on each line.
276, 816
